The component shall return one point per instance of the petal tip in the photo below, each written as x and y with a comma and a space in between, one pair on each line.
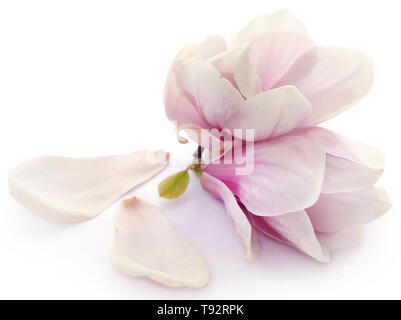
147, 246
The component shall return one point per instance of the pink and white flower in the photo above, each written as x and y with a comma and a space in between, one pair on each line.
310, 187
271, 78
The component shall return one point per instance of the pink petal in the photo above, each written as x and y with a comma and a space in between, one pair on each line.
244, 228
343, 175
334, 212
278, 22
178, 106
214, 96
273, 54
350, 165
75, 189
343, 147
270, 113
235, 65
147, 245
332, 79
294, 229
287, 175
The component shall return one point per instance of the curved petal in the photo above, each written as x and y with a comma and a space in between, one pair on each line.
76, 189
294, 229
343, 175
178, 106
350, 165
341, 239
147, 245
270, 113
244, 228
235, 65
343, 147
334, 212
273, 54
285, 174
332, 79
225, 62
278, 22
214, 96
245, 75
206, 49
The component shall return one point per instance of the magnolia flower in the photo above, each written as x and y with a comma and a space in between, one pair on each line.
272, 78
310, 188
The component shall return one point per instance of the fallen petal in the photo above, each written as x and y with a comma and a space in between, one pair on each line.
76, 189
147, 245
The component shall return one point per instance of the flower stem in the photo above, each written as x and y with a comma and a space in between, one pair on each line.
197, 166
198, 154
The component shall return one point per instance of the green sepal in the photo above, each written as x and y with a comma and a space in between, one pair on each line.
175, 185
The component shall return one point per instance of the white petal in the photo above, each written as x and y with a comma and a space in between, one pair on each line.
213, 95
75, 189
343, 147
206, 49
245, 75
235, 65
343, 175
147, 245
178, 106
278, 22
332, 79
273, 54
270, 113
341, 239
334, 212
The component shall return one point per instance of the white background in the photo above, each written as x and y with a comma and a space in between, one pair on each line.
85, 78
